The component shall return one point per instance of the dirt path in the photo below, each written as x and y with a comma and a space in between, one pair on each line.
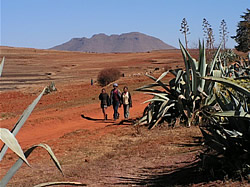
46, 125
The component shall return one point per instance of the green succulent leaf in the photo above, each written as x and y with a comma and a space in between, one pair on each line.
19, 163
215, 59
233, 113
159, 82
148, 86
21, 121
230, 84
9, 139
1, 66
202, 65
186, 66
154, 99
162, 76
163, 96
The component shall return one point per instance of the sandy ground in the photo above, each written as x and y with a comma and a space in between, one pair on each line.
94, 152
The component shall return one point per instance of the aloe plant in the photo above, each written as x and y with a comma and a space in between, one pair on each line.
226, 132
10, 141
21, 122
217, 97
184, 94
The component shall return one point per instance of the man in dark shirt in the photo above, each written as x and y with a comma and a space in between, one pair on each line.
115, 100
104, 97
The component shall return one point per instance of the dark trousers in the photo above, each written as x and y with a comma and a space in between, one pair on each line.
115, 107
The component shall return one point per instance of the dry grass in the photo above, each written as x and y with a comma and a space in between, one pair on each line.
94, 157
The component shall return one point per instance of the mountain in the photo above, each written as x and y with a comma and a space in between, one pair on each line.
102, 43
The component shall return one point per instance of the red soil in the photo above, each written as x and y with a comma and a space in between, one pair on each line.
99, 153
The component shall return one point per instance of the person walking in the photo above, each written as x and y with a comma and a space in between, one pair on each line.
126, 101
115, 100
105, 102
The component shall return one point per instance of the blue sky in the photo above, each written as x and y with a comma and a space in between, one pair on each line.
46, 23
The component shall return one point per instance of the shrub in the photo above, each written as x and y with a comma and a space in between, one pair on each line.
108, 75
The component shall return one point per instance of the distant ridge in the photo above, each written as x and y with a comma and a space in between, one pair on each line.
102, 43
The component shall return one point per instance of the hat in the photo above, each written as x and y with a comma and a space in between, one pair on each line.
115, 85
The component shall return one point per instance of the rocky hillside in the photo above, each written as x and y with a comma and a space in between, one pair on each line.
102, 43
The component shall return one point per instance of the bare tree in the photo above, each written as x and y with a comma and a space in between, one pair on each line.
223, 33
208, 34
185, 30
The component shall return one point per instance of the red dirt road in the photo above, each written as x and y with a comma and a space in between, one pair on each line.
54, 123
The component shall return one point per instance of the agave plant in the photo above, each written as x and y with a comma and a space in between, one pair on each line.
9, 140
21, 122
226, 131
232, 65
184, 94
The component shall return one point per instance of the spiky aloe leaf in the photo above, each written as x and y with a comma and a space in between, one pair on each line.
211, 100
219, 137
9, 139
21, 122
141, 121
221, 104
236, 102
150, 113
203, 65
1, 66
191, 63
214, 59
175, 71
226, 101
60, 183
233, 134
209, 140
154, 99
162, 115
200, 54
186, 66
233, 113
148, 86
230, 84
162, 76
19, 163
222, 69
159, 82
163, 96
178, 76
151, 91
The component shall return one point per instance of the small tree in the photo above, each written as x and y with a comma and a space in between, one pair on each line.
223, 33
243, 33
185, 30
208, 34
108, 75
